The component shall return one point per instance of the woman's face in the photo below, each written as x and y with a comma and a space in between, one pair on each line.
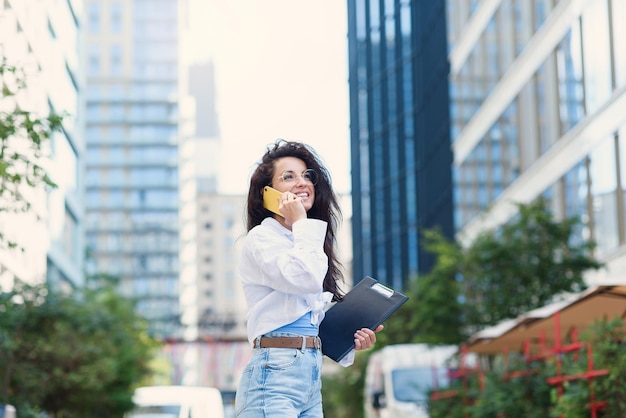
291, 175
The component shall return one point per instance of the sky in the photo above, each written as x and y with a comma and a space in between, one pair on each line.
281, 72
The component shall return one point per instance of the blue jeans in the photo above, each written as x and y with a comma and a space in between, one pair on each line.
281, 383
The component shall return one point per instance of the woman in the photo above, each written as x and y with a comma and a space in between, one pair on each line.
289, 271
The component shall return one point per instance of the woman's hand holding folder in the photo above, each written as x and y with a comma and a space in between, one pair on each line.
365, 337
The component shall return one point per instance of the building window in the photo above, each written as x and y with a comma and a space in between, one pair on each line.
604, 196
116, 59
94, 17
93, 60
116, 17
70, 236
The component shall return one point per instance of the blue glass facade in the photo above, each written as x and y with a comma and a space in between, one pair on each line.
400, 141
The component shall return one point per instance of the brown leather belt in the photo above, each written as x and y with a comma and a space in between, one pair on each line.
288, 342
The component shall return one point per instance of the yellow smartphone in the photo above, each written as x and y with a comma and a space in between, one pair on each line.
270, 199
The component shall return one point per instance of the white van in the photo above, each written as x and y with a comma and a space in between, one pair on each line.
177, 402
7, 411
398, 378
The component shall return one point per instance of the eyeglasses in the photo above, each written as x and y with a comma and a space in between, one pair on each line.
309, 176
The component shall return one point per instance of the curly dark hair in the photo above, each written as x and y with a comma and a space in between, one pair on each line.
325, 207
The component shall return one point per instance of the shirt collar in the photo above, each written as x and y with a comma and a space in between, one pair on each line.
277, 226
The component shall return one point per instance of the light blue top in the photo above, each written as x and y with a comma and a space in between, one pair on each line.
301, 326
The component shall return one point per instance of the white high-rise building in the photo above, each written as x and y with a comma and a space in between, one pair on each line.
42, 37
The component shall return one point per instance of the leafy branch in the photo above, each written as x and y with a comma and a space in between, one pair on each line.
24, 150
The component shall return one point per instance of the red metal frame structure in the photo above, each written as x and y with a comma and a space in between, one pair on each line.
559, 379
544, 353
463, 372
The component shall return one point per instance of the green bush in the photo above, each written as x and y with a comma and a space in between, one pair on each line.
530, 395
515, 396
608, 339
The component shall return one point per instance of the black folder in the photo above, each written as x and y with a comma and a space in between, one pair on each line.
366, 305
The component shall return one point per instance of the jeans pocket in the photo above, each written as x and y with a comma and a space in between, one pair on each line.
282, 358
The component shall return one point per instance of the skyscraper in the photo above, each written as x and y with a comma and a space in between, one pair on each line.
538, 92
133, 138
399, 134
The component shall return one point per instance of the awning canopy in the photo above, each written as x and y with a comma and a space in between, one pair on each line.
575, 312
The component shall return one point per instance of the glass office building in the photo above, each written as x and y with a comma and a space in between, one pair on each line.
400, 135
132, 165
538, 99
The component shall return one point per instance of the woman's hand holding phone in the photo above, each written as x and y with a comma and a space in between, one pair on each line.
291, 206
286, 204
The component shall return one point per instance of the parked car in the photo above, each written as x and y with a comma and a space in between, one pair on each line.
177, 402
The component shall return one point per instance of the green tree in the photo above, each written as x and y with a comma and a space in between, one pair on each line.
433, 313
523, 265
501, 274
78, 355
438, 311
23, 146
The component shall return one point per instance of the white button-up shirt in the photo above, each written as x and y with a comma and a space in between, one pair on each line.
282, 273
